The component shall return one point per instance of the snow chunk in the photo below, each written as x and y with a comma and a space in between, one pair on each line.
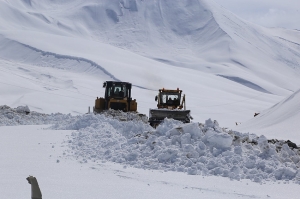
218, 140
23, 109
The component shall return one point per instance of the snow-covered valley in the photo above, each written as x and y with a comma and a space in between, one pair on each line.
146, 158
55, 55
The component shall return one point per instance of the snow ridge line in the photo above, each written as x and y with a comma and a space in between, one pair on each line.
79, 59
59, 56
141, 87
289, 41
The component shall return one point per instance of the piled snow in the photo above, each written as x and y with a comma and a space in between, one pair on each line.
197, 149
22, 116
121, 116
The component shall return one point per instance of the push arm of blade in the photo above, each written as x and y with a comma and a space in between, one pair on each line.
35, 189
183, 102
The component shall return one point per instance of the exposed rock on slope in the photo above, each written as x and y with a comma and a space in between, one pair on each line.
280, 121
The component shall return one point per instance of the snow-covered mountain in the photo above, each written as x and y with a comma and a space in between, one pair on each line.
229, 68
55, 55
281, 121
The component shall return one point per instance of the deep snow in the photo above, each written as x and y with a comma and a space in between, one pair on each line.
104, 157
203, 149
54, 56
68, 48
195, 148
37, 154
279, 121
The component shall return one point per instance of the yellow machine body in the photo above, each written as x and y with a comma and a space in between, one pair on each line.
117, 97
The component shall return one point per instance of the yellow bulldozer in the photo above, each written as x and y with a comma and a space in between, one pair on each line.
170, 104
117, 97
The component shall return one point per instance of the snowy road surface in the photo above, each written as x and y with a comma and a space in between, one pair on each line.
32, 150
55, 55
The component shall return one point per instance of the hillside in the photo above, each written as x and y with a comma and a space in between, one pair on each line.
55, 56
228, 68
281, 121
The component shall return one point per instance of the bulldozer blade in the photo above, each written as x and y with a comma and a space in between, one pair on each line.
158, 115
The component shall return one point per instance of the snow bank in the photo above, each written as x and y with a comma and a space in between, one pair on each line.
23, 116
197, 149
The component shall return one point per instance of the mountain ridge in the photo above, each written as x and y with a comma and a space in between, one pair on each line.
192, 44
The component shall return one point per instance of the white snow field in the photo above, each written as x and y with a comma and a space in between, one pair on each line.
227, 67
94, 156
280, 121
55, 55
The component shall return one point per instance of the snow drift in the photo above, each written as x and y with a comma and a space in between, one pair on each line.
197, 149
238, 67
280, 121
195, 34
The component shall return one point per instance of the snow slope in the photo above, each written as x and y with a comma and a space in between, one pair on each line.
71, 83
281, 121
207, 37
55, 54
228, 68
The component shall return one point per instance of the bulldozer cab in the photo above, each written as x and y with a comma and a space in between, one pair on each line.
118, 90
117, 96
170, 99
